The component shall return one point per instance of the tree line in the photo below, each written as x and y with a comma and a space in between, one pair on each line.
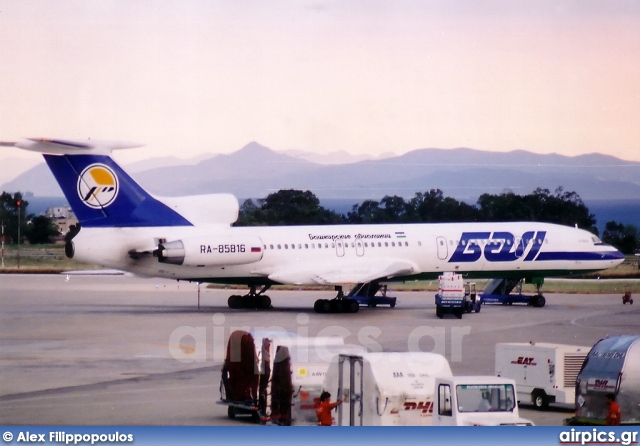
296, 207
18, 224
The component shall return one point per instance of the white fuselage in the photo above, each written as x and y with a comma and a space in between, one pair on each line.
351, 253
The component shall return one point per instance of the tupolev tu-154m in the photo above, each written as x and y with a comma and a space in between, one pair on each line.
122, 226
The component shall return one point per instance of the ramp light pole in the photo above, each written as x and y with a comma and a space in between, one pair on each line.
19, 216
2, 243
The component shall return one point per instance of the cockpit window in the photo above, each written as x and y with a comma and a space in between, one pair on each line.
596, 240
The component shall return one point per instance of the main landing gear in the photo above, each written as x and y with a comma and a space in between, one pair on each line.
257, 300
339, 304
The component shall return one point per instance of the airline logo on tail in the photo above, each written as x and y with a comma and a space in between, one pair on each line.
97, 186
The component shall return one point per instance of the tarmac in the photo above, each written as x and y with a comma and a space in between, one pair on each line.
119, 350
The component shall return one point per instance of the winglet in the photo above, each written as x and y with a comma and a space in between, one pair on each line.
71, 146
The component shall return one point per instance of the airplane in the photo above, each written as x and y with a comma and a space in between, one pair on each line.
122, 226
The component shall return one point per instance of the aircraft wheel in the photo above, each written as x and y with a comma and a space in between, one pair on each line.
510, 303
250, 301
459, 313
264, 302
323, 306
477, 310
234, 301
536, 300
392, 305
337, 306
231, 412
541, 301
439, 312
352, 306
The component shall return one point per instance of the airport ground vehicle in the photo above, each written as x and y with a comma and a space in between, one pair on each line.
612, 366
544, 373
416, 389
626, 298
276, 377
499, 291
456, 297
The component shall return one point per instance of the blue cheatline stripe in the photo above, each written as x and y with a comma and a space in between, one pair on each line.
132, 206
544, 256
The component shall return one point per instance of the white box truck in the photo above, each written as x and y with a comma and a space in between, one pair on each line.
416, 389
544, 373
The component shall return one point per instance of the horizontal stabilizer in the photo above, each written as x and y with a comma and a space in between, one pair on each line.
71, 146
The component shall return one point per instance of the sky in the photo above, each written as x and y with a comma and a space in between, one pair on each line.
363, 76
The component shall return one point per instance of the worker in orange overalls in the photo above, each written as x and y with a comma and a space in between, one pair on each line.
613, 415
324, 410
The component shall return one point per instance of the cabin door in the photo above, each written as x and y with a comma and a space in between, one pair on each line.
350, 384
443, 251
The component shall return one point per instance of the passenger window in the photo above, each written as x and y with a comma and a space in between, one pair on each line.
393, 243
406, 243
299, 246
306, 246
286, 246
293, 246
270, 246
279, 247
386, 244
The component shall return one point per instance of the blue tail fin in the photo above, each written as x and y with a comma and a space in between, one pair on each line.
101, 194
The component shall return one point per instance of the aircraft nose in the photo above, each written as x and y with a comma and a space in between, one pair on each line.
614, 255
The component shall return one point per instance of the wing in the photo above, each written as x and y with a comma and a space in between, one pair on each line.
361, 272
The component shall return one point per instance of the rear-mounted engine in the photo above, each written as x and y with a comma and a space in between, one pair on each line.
210, 251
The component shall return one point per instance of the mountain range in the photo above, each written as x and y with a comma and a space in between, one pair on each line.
255, 171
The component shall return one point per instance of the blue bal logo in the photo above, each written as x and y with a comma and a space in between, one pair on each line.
97, 186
